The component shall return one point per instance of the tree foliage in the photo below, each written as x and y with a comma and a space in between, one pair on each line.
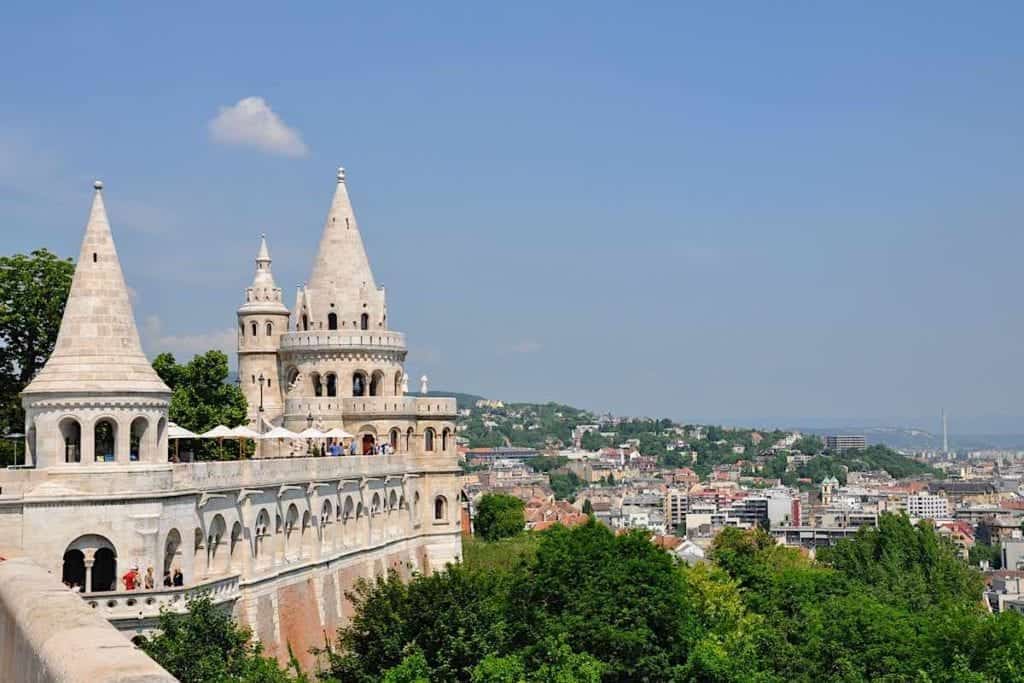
205, 645
33, 292
498, 516
202, 398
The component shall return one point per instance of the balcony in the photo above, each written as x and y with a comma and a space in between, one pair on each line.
372, 407
129, 608
325, 340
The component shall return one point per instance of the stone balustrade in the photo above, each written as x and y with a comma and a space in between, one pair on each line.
334, 339
372, 407
145, 605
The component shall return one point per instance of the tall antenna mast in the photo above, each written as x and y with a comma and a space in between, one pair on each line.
945, 433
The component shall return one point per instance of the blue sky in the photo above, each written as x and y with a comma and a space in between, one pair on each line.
742, 211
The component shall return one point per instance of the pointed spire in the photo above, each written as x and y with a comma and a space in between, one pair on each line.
341, 272
263, 294
98, 346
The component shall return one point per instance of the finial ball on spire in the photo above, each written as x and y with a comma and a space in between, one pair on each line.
98, 184
341, 174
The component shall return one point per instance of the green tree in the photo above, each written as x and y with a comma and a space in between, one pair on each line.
809, 445
204, 645
983, 552
588, 507
33, 292
592, 441
498, 516
202, 397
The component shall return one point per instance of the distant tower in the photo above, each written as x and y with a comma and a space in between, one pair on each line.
262, 319
945, 432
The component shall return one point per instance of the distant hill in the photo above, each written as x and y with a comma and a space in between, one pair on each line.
461, 400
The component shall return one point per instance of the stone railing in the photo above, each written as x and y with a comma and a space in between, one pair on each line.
117, 606
369, 407
334, 339
268, 472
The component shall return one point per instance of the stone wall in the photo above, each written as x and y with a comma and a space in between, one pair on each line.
47, 633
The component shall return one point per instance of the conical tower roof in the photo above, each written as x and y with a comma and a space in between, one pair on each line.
341, 270
263, 295
98, 348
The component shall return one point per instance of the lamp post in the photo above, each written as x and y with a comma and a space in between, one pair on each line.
259, 417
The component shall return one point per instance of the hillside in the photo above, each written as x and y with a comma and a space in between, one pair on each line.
702, 447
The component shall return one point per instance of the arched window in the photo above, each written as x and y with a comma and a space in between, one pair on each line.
445, 434
261, 530
71, 432
105, 440
270, 329
318, 388
241, 333
375, 505
393, 501
305, 322
359, 384
140, 426
332, 384
253, 328
440, 509
325, 514
408, 439
293, 377
393, 440
332, 321
103, 569
364, 321
172, 551
398, 383
428, 440
375, 383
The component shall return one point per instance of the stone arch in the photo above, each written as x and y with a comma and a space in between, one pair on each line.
446, 435
326, 520
236, 548
359, 383
73, 569
99, 562
332, 321
172, 551
428, 439
364, 321
393, 437
332, 383
215, 545
138, 443
305, 322
317, 384
440, 509
291, 377
392, 501
398, 383
260, 533
375, 505
270, 329
291, 520
367, 439
376, 383
304, 537
104, 442
71, 437
253, 328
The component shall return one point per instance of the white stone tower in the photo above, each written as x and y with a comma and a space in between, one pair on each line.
97, 399
262, 319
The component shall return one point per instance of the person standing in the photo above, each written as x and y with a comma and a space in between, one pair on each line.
179, 578
150, 580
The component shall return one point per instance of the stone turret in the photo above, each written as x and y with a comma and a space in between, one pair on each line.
97, 399
341, 293
262, 319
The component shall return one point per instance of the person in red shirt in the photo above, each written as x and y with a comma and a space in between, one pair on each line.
131, 579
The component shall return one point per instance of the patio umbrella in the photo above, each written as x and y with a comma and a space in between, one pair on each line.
175, 433
220, 432
311, 433
242, 432
279, 433
339, 434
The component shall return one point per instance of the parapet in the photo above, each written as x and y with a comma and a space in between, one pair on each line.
49, 634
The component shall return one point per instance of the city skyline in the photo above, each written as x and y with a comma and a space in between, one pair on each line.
809, 217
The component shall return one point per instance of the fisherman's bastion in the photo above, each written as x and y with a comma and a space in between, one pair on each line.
277, 538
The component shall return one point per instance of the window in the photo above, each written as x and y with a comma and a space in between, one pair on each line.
94, 257
428, 440
254, 329
270, 329
358, 384
332, 321
440, 509
364, 321
332, 384
305, 322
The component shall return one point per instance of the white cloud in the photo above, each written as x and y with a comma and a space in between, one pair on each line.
251, 122
524, 346
185, 346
